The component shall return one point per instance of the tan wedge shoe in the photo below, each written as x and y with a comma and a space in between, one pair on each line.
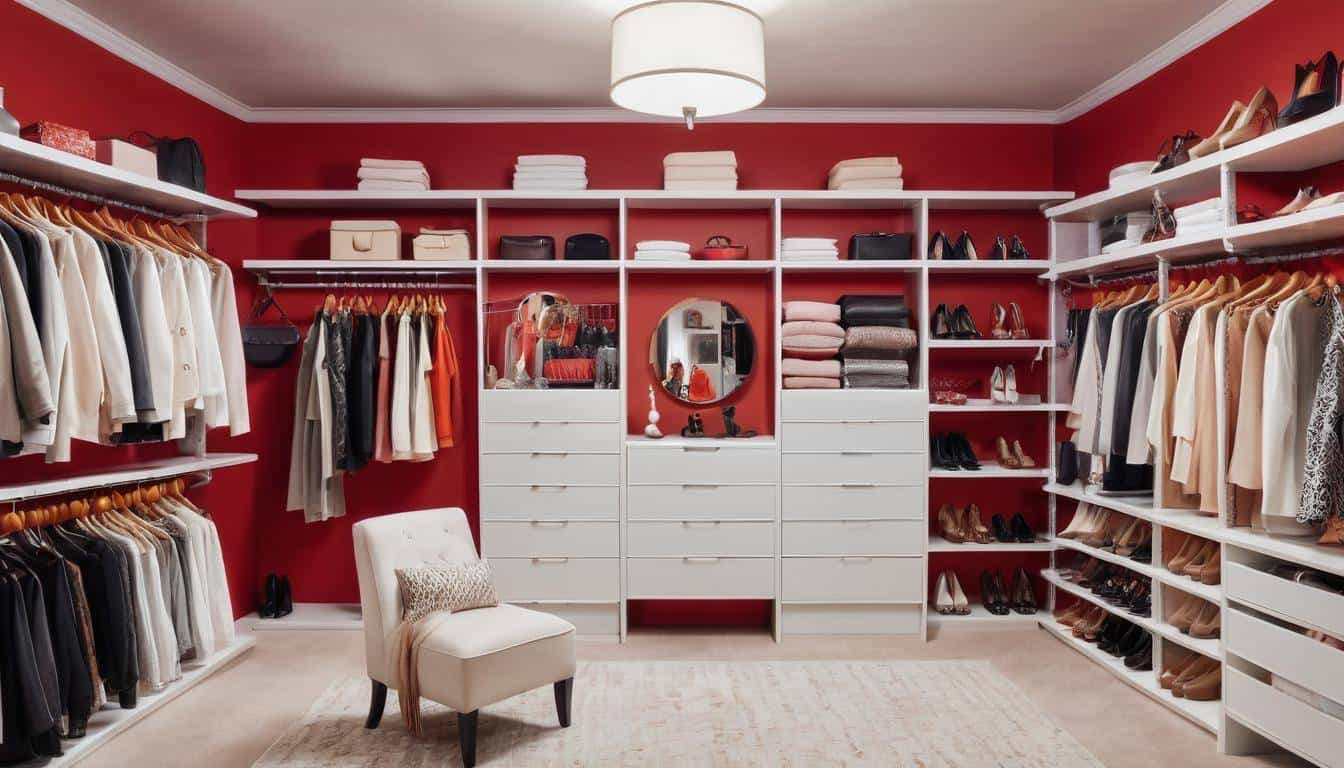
1183, 555
1006, 458
949, 524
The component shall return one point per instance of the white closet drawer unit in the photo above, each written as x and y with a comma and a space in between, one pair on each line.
723, 577
855, 537
853, 467
854, 404
551, 405
549, 537
805, 619
577, 436
587, 618
550, 502
704, 501
702, 464
1298, 658
557, 578
868, 435
853, 501
854, 579
559, 468
1302, 728
700, 537
1296, 602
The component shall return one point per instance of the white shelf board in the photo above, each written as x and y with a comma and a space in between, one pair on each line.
1309, 144
34, 161
561, 265
980, 618
1144, 256
693, 199
1210, 648
439, 199
677, 441
990, 343
313, 266
1303, 227
588, 199
1211, 593
701, 265
1205, 714
1302, 551
1195, 180
990, 469
987, 200
112, 720
1006, 267
145, 471
1184, 520
846, 265
839, 199
939, 544
981, 405
311, 616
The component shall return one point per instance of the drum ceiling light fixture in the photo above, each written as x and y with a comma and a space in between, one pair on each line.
687, 58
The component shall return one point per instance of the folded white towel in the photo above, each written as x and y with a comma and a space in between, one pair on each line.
1140, 168
663, 245
723, 157
868, 162
807, 242
889, 184
549, 185
1210, 219
864, 172
653, 255
392, 186
1194, 209
700, 185
564, 161
375, 162
810, 255
548, 172
700, 172
395, 174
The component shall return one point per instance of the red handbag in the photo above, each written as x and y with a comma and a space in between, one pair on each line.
76, 141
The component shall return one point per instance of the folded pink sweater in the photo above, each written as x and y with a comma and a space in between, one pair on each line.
810, 382
812, 328
812, 310
828, 369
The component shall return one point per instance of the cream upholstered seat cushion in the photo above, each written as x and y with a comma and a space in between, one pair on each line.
476, 657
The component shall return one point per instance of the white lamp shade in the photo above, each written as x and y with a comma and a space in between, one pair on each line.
670, 55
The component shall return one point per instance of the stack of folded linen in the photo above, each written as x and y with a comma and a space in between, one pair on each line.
1130, 173
662, 250
878, 341
1199, 218
392, 175
1125, 231
867, 173
700, 170
808, 249
812, 336
550, 173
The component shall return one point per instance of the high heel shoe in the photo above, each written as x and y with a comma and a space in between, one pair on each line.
974, 525
1175, 151
1017, 327
1305, 197
940, 247
1022, 532
999, 251
285, 600
1017, 251
1024, 597
963, 325
964, 250
950, 525
990, 597
942, 322
961, 604
1010, 383
1023, 460
1209, 624
1315, 89
960, 448
999, 316
1184, 554
1006, 458
942, 596
1258, 118
940, 453
999, 528
271, 599
1214, 142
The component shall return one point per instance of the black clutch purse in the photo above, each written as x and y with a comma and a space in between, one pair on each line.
881, 246
527, 248
1066, 464
588, 247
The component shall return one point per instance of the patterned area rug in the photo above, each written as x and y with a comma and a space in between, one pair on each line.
904, 713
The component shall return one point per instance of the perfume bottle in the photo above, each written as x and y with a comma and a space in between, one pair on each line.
7, 122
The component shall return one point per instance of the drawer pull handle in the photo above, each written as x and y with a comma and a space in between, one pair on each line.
695, 523
550, 523
700, 560
549, 488
699, 486
856, 486
536, 424
543, 454
700, 448
856, 453
550, 560
857, 523
856, 559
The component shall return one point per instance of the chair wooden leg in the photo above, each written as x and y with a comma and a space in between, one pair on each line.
377, 702
466, 737
564, 696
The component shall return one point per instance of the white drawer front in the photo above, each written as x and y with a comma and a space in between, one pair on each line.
1302, 728
588, 619
703, 464
550, 537
551, 468
1309, 605
853, 436
557, 578
854, 404
579, 436
803, 619
853, 467
550, 502
854, 578
853, 501
551, 405
1296, 657
700, 502
700, 537
855, 537
701, 577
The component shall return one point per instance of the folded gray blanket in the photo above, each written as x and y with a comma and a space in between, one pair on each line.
878, 354
885, 367
876, 381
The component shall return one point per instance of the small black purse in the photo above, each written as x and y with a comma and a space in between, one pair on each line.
1066, 463
881, 246
181, 161
269, 346
588, 247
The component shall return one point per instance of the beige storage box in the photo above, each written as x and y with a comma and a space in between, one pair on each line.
128, 157
441, 245
365, 241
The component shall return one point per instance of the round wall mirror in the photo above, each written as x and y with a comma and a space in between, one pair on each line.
702, 351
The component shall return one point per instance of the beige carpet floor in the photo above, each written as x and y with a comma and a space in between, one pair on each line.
927, 714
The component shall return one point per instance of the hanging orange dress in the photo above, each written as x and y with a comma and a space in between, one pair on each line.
702, 389
443, 381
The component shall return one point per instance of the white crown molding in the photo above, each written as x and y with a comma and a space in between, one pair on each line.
1219, 20
100, 33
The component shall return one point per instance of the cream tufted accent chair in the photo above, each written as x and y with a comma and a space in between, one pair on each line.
475, 657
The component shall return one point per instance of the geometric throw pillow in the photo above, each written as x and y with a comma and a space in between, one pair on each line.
460, 587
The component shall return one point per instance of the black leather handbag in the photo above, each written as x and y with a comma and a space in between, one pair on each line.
527, 247
268, 346
1066, 464
181, 161
587, 247
890, 311
881, 246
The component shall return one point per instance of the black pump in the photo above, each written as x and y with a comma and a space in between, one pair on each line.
1017, 250
271, 600
942, 322
963, 325
285, 599
964, 250
1315, 90
960, 450
1021, 531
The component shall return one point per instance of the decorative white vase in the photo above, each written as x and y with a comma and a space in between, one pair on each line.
651, 431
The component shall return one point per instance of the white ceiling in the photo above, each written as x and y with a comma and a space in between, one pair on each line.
426, 54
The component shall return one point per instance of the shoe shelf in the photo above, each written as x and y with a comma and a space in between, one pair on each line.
1007, 267
1210, 648
989, 406
980, 618
1205, 714
1210, 592
939, 544
991, 469
847, 265
990, 344
1302, 227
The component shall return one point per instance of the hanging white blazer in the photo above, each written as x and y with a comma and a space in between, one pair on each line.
402, 390
118, 406
423, 439
84, 366
54, 332
1293, 357
1087, 393
198, 616
154, 329
1138, 451
30, 368
211, 367
224, 306
181, 331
